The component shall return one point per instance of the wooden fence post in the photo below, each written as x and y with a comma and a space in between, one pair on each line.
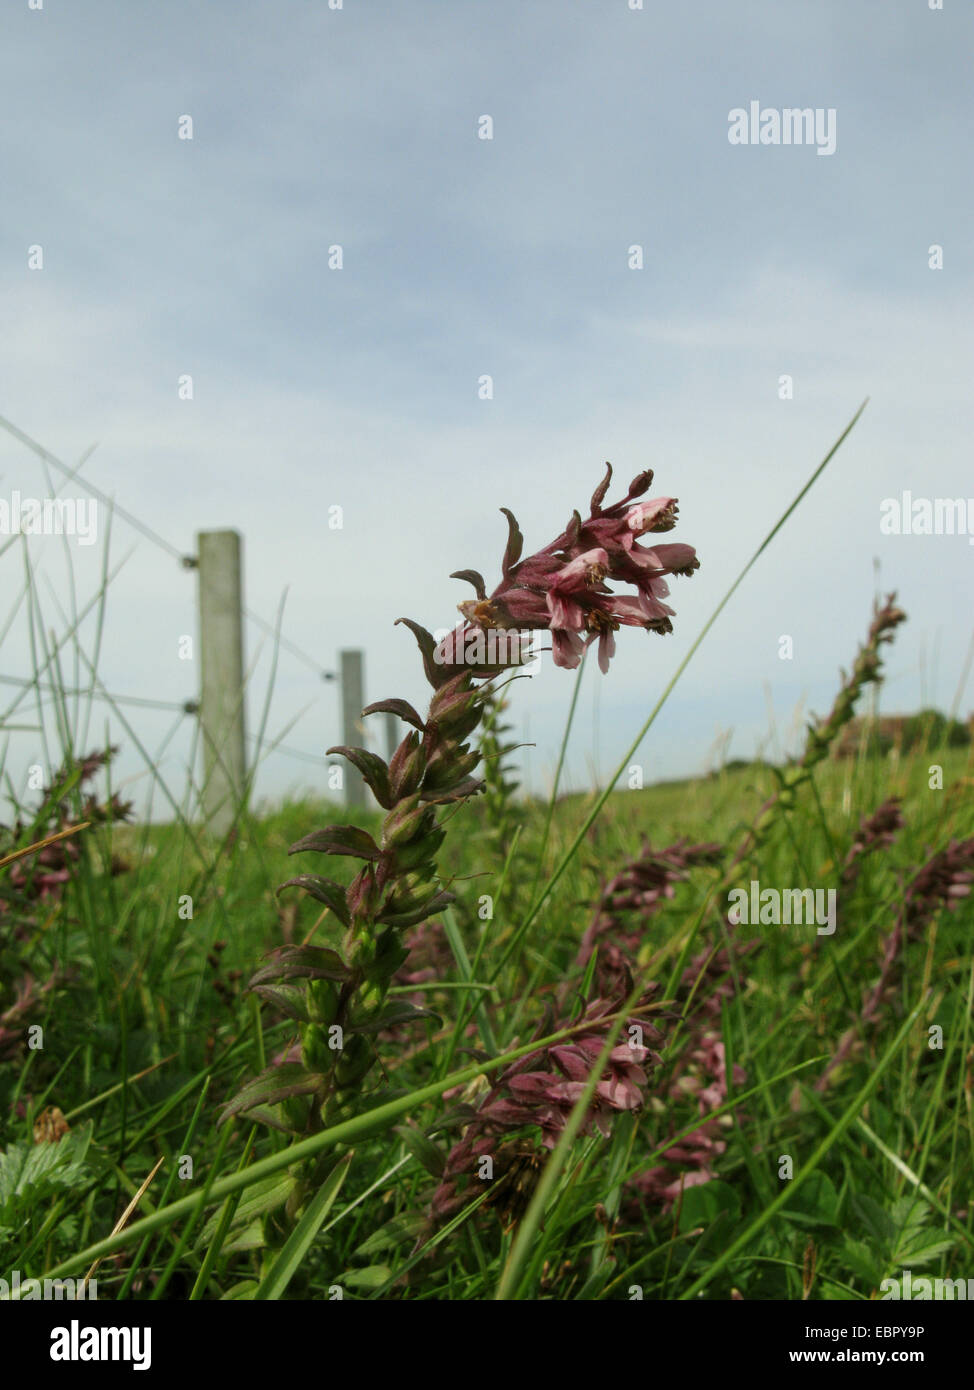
353, 700
222, 717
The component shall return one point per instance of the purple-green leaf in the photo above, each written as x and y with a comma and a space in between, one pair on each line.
436, 673
402, 708
339, 839
290, 1000
468, 787
273, 1086
325, 890
391, 1016
372, 768
599, 493
473, 577
515, 543
302, 962
400, 920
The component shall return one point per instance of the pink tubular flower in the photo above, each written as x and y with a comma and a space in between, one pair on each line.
546, 1098
563, 588
658, 515
583, 573
540, 1091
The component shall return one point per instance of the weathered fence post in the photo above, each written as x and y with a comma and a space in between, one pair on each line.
222, 721
353, 699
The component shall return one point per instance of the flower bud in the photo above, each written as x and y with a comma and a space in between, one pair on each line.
362, 895
407, 821
413, 891
449, 769
455, 709
419, 854
316, 1055
407, 766
323, 996
354, 1061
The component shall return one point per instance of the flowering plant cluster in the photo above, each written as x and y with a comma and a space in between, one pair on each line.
699, 1071
539, 1092
634, 895
695, 1058
43, 873
943, 882
339, 996
34, 879
562, 589
867, 669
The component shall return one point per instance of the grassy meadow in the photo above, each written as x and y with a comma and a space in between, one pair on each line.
135, 966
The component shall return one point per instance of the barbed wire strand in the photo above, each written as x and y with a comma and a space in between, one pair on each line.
152, 535
143, 701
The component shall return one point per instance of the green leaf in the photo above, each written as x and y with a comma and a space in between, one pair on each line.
862, 1260
923, 1254
391, 1016
263, 1197
422, 1148
302, 962
250, 1237
705, 1204
301, 1239
272, 1086
816, 1203
875, 1220
246, 1289
393, 1233
909, 1215
29, 1173
372, 1277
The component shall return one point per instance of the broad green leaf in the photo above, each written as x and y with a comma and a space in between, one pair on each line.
874, 1219
704, 1204
393, 1233
816, 1203
259, 1199
423, 1149
246, 1289
372, 1277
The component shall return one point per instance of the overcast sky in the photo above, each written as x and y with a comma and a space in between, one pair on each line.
509, 257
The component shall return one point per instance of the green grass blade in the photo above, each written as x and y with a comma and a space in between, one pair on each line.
301, 1239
